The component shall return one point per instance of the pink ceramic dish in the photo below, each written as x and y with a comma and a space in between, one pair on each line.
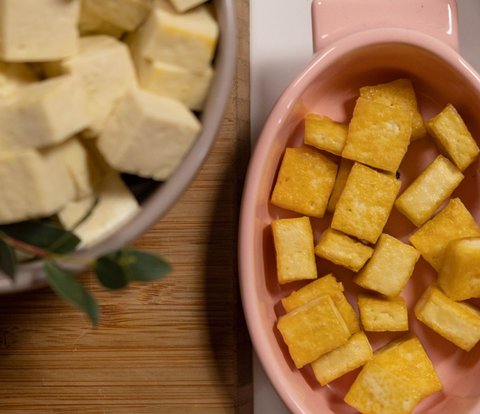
359, 43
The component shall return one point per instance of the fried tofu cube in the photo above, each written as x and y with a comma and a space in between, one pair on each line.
343, 250
326, 285
459, 276
365, 204
429, 190
455, 321
383, 314
294, 247
313, 330
340, 181
390, 267
453, 222
305, 182
378, 135
453, 137
397, 378
399, 94
354, 354
323, 133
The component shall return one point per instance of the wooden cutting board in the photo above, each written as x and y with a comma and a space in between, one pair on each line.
176, 346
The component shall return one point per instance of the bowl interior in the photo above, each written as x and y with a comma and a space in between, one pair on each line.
330, 87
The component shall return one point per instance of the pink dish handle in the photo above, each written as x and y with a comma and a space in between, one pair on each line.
335, 19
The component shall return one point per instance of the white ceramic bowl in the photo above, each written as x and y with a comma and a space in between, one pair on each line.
163, 196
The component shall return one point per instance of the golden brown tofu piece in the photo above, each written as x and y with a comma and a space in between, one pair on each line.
459, 276
342, 175
326, 285
365, 204
323, 133
383, 314
378, 135
399, 94
458, 322
343, 250
429, 190
390, 267
453, 222
354, 354
305, 182
397, 378
294, 247
453, 137
313, 330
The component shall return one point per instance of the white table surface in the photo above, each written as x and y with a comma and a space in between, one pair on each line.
280, 46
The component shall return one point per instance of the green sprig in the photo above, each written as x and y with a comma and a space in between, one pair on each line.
52, 244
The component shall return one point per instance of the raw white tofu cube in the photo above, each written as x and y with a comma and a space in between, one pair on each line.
99, 215
186, 40
92, 23
105, 70
147, 135
183, 5
43, 113
38, 30
14, 76
175, 82
32, 185
82, 168
125, 14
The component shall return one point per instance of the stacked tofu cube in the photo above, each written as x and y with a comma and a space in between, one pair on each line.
347, 175
319, 320
94, 88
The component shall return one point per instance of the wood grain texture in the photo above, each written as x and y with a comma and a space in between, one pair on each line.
176, 346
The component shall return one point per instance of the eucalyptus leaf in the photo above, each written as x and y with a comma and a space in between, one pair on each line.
43, 234
143, 266
67, 286
116, 269
8, 259
110, 273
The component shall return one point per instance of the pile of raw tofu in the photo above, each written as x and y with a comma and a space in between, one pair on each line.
91, 88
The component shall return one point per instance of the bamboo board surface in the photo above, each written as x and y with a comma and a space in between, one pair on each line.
176, 346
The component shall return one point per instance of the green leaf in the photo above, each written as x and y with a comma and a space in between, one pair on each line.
115, 270
46, 235
8, 259
110, 273
67, 286
143, 266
